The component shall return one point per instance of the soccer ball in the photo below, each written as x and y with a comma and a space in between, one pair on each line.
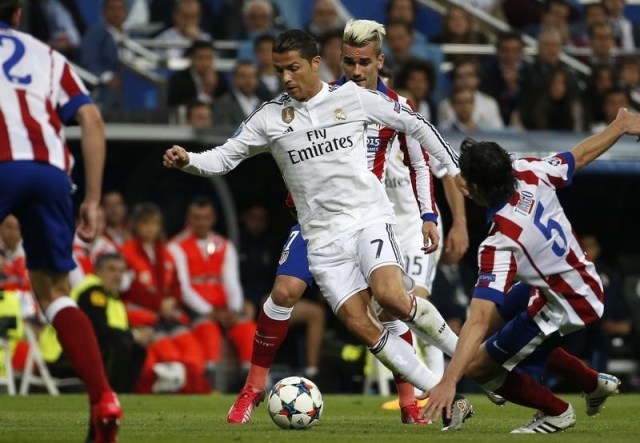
295, 403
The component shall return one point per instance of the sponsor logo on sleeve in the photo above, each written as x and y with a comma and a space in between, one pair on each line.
396, 107
553, 161
488, 278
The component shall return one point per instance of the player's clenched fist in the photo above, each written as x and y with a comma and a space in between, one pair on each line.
175, 157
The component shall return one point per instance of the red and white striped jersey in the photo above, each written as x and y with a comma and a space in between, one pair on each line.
39, 93
532, 241
381, 141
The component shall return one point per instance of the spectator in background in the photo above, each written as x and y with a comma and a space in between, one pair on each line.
324, 19
115, 217
603, 44
417, 80
200, 81
330, 51
555, 14
405, 11
399, 45
458, 27
258, 253
486, 112
620, 25
462, 103
507, 75
123, 349
59, 24
244, 97
614, 99
153, 297
162, 11
602, 79
592, 13
209, 276
233, 27
552, 104
100, 53
258, 19
548, 58
185, 31
199, 115
630, 78
13, 263
262, 48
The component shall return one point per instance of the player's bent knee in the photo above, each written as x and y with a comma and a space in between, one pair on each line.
286, 293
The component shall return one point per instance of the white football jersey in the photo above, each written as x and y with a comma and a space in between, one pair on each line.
532, 241
320, 147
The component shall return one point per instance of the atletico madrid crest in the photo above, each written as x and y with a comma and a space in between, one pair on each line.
283, 257
287, 114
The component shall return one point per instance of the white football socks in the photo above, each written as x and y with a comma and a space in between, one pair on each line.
397, 355
429, 325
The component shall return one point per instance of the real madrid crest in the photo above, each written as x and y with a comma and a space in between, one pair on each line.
339, 115
287, 114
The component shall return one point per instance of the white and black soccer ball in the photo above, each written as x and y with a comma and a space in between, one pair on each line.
295, 403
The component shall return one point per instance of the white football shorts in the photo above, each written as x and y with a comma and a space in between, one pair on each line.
342, 268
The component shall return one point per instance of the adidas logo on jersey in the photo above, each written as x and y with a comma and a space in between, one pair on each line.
289, 129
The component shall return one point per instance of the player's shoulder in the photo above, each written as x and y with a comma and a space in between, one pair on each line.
392, 94
29, 42
270, 106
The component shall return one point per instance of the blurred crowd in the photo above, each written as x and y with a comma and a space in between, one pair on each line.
509, 88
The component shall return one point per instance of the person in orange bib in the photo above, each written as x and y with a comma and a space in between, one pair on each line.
208, 271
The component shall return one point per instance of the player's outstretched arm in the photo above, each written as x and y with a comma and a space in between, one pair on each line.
594, 146
471, 337
457, 239
93, 155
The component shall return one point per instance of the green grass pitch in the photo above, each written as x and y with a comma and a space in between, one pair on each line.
351, 419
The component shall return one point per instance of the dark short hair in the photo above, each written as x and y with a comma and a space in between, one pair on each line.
264, 38
144, 211
103, 258
8, 8
414, 7
200, 201
195, 104
508, 35
400, 24
487, 166
198, 45
416, 65
296, 40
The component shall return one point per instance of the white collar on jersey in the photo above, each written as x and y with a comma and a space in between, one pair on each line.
313, 100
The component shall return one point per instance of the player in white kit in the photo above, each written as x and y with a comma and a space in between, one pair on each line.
361, 59
531, 241
317, 135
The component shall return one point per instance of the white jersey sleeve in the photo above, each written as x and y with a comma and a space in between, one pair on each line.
437, 169
415, 158
378, 108
250, 138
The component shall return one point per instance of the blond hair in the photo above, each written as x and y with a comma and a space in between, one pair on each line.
360, 33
